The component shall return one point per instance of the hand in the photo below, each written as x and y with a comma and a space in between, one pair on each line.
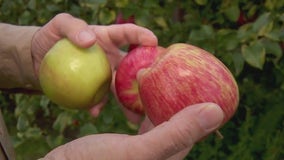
111, 37
171, 140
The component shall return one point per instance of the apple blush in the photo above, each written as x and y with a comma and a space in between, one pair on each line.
160, 82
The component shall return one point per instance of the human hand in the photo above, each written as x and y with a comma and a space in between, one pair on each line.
111, 37
171, 140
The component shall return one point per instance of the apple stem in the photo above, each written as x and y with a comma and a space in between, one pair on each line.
219, 134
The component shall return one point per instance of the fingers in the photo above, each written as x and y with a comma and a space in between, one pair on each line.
62, 25
124, 34
183, 130
96, 110
113, 37
77, 30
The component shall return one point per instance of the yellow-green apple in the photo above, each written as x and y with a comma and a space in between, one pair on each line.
163, 82
75, 77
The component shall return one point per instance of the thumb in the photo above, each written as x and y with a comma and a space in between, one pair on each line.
184, 129
62, 25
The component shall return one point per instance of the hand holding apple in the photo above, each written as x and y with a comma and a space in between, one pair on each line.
163, 82
170, 141
83, 35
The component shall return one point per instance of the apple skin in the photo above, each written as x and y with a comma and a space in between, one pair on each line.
126, 80
75, 77
180, 76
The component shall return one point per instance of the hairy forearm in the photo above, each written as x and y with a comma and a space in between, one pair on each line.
16, 67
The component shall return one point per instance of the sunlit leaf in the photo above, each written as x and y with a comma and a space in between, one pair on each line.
121, 3
161, 22
33, 132
106, 16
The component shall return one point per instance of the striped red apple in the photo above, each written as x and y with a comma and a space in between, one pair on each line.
161, 82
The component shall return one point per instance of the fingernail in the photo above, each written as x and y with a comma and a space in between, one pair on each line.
86, 36
210, 117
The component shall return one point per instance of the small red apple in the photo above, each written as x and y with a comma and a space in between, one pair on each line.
163, 82
126, 81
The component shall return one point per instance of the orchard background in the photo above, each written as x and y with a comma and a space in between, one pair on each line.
247, 35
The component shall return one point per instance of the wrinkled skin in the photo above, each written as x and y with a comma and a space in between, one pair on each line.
171, 140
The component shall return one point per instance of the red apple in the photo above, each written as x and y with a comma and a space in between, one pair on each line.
163, 82
126, 80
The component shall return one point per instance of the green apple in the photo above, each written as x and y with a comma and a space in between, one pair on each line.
75, 77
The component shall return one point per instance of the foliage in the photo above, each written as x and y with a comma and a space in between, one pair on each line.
248, 36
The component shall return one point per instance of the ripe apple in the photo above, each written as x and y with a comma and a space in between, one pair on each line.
75, 77
162, 82
126, 81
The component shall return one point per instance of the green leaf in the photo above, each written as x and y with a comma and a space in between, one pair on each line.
44, 101
33, 132
161, 22
274, 35
266, 29
32, 4
87, 129
204, 33
23, 123
62, 121
254, 54
227, 39
201, 2
232, 13
121, 3
245, 33
263, 24
273, 48
54, 141
106, 16
238, 63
